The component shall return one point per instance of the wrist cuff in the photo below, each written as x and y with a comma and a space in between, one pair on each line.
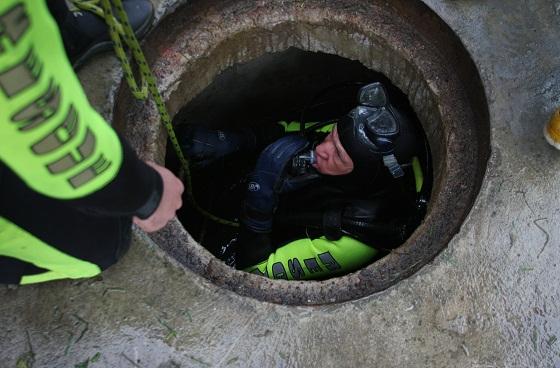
154, 199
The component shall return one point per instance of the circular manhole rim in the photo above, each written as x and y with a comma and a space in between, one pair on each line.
220, 33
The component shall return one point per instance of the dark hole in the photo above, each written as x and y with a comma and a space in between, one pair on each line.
293, 85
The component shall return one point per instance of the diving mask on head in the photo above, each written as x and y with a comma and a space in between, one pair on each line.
369, 132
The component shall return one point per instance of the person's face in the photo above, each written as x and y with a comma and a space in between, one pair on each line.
332, 158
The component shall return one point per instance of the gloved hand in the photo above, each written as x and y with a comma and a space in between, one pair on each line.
267, 181
246, 249
203, 146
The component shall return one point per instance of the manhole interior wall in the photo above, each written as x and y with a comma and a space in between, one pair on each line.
403, 40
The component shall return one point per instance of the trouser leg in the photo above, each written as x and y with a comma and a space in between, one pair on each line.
12, 270
83, 236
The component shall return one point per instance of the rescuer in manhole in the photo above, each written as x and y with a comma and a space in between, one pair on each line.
328, 199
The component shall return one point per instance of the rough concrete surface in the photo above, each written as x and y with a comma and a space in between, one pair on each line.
491, 299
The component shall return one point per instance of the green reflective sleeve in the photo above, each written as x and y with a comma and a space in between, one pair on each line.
295, 126
315, 258
49, 134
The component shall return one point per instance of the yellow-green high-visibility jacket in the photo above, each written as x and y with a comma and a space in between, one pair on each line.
55, 142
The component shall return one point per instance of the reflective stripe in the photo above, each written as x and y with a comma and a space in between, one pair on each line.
315, 258
50, 135
418, 175
295, 126
19, 244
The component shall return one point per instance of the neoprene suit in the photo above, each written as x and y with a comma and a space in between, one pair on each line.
325, 227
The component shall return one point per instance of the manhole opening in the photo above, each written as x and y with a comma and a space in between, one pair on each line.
292, 85
191, 50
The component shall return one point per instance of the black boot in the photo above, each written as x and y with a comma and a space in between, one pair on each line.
85, 34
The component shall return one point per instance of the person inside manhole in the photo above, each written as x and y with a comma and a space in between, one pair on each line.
328, 201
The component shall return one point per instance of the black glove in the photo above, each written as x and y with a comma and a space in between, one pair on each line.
267, 181
252, 248
246, 249
203, 146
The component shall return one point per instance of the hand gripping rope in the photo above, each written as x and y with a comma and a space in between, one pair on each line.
121, 31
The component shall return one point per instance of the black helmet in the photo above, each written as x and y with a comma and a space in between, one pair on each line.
370, 132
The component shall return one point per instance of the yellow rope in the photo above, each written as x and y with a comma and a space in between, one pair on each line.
121, 31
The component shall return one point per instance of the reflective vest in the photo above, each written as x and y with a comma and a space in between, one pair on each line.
50, 136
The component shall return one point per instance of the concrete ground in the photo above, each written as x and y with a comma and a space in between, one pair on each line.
491, 299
